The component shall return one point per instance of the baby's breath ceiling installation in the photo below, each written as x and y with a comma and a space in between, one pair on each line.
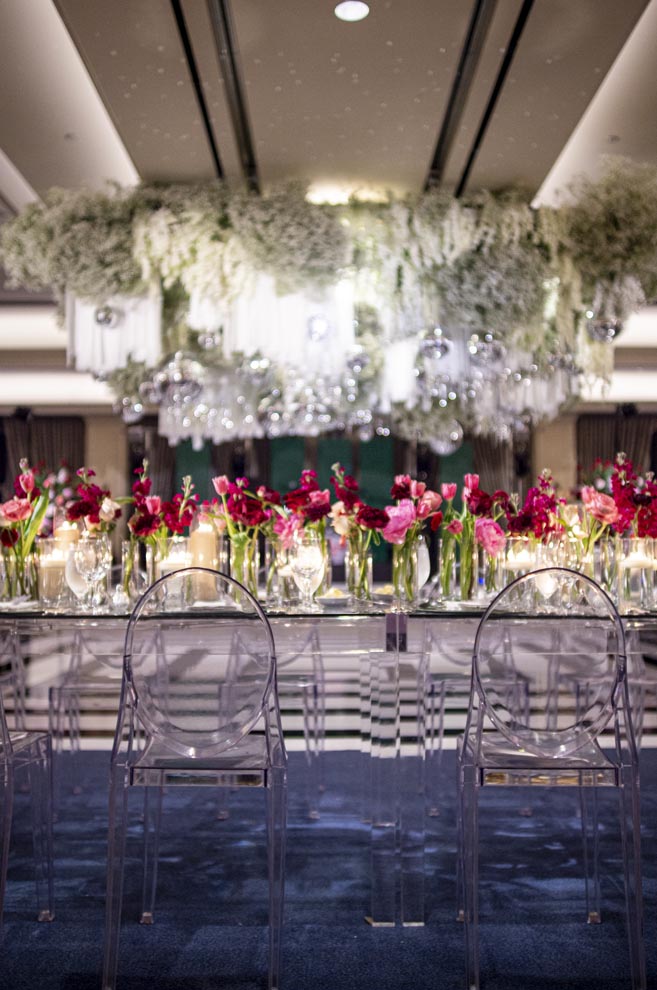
428, 316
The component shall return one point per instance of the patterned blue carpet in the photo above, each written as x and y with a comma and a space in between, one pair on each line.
211, 910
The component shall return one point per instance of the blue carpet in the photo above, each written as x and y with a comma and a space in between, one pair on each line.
211, 909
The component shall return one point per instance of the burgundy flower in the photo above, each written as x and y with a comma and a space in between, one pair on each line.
244, 509
269, 495
370, 518
8, 537
402, 486
144, 524
478, 501
297, 500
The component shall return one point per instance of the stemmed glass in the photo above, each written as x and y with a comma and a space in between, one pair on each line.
306, 561
88, 562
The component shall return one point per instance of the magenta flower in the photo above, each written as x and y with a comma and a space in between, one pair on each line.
400, 519
471, 481
455, 527
490, 535
153, 504
418, 489
448, 491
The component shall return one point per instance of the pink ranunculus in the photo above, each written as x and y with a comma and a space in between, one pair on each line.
286, 529
221, 484
153, 504
471, 481
15, 510
430, 502
455, 527
448, 491
602, 507
418, 488
400, 519
490, 535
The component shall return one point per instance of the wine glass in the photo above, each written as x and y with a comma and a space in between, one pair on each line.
92, 558
306, 562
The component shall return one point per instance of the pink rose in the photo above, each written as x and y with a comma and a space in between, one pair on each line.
491, 536
418, 489
400, 519
15, 510
221, 484
602, 507
455, 527
286, 529
448, 490
430, 502
471, 481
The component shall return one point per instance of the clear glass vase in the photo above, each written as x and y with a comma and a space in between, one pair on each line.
634, 574
468, 567
490, 580
447, 568
19, 579
245, 562
280, 589
405, 574
358, 573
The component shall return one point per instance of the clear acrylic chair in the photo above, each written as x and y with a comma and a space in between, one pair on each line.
20, 750
566, 618
195, 711
449, 669
301, 683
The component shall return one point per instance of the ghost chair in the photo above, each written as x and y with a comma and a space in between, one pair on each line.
193, 713
21, 750
503, 746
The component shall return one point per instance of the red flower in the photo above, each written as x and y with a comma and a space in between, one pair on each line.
402, 486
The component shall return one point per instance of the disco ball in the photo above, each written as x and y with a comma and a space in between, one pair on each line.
131, 409
319, 328
603, 329
447, 439
485, 349
107, 317
180, 379
435, 345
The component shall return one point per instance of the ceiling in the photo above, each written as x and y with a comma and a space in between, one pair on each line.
460, 92
463, 93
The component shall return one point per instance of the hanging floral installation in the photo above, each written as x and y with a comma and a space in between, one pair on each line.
245, 315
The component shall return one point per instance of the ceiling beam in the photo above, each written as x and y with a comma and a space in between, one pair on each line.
482, 16
197, 84
224, 36
509, 54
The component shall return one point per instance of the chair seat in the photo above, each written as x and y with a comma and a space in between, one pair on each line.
20, 741
248, 761
502, 763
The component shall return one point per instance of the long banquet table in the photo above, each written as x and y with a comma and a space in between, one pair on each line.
377, 669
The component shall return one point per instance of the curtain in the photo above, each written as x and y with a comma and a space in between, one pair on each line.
161, 464
605, 434
494, 464
43, 440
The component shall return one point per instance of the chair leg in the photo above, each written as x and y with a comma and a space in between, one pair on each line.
435, 747
589, 807
470, 867
310, 733
6, 808
631, 839
118, 812
276, 828
152, 821
41, 784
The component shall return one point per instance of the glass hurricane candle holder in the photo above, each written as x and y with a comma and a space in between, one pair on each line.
52, 588
634, 573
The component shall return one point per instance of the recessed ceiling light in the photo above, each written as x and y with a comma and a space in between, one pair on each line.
352, 10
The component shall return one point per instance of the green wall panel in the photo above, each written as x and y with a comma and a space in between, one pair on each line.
198, 463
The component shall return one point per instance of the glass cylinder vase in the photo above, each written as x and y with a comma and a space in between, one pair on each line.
490, 573
20, 576
405, 574
51, 572
280, 589
447, 587
634, 574
468, 567
245, 562
358, 573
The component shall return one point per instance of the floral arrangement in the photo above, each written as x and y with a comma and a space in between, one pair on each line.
476, 525
93, 504
58, 486
485, 262
21, 518
416, 505
358, 525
